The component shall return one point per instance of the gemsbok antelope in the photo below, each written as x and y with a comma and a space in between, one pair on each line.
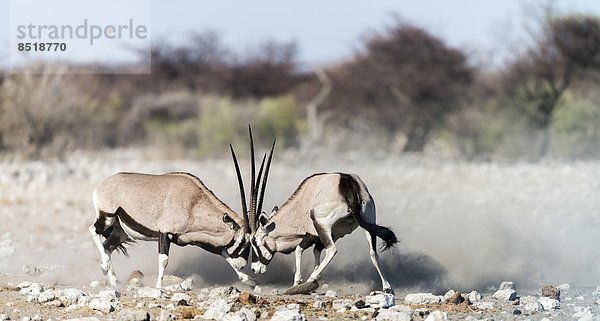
169, 208
324, 208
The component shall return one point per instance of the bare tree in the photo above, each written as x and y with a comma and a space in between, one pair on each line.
268, 71
405, 80
568, 49
313, 119
44, 114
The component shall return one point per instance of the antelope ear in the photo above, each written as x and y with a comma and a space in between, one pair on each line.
229, 221
275, 209
263, 219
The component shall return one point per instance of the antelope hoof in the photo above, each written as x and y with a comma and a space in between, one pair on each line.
249, 282
389, 291
104, 265
304, 288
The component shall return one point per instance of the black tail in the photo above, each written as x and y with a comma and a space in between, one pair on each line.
384, 233
115, 239
350, 190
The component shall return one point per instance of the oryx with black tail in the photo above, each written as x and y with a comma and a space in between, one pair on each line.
169, 208
324, 208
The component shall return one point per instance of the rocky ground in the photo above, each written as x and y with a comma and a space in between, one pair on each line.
181, 300
463, 226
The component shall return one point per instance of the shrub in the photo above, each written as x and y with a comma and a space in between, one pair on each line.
576, 130
278, 117
43, 114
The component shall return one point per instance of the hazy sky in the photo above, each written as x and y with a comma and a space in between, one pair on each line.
332, 29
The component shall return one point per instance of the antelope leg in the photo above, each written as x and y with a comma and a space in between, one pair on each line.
375, 259
163, 256
237, 264
298, 274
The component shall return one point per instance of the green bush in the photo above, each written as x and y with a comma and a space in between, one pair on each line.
278, 117
221, 123
576, 131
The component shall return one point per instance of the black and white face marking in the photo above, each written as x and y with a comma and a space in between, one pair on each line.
261, 254
239, 250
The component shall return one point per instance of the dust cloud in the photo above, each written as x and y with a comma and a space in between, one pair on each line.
462, 225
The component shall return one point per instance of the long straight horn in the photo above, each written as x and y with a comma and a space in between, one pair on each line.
264, 181
253, 191
242, 192
259, 178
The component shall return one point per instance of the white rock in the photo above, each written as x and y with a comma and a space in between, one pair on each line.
380, 300
152, 293
96, 284
176, 297
581, 312
507, 285
223, 292
257, 289
423, 298
217, 309
484, 305
35, 288
505, 294
341, 304
331, 294
588, 317
392, 315
71, 296
437, 316
318, 305
449, 294
24, 284
46, 296
101, 305
26, 319
187, 284
534, 307
83, 319
170, 306
293, 306
597, 291
109, 295
564, 287
4, 317
166, 316
288, 315
531, 304
549, 304
243, 314
474, 296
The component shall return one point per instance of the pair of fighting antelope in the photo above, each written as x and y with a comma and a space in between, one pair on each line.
177, 208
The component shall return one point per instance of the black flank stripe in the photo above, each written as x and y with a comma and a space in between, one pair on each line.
131, 223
